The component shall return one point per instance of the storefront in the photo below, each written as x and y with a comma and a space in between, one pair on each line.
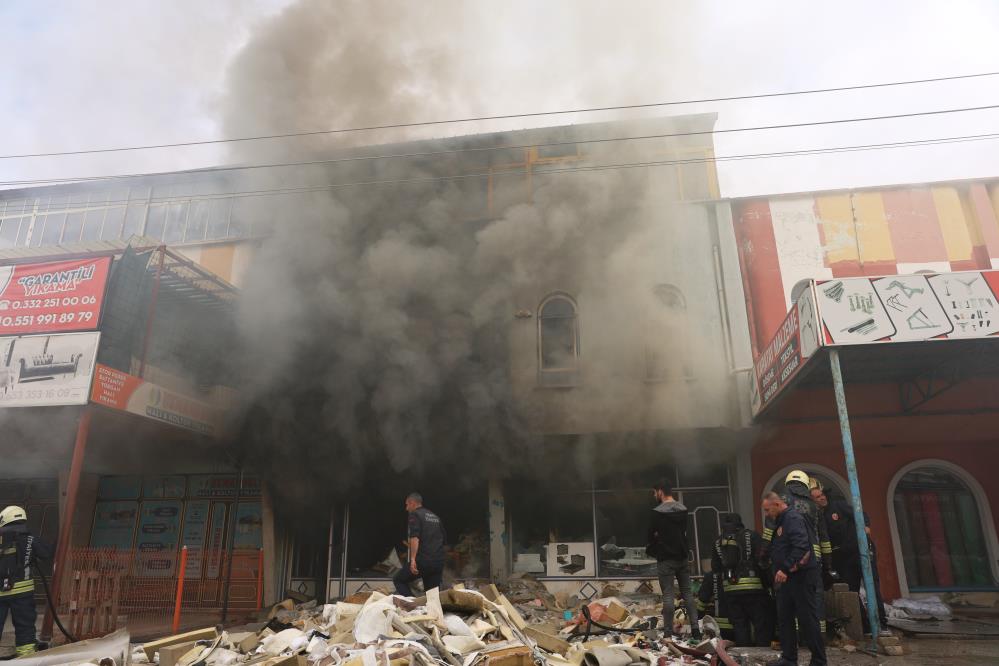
920, 374
576, 514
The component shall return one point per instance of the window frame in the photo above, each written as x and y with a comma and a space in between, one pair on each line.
984, 517
559, 377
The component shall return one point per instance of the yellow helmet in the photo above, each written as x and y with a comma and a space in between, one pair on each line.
814, 483
796, 475
12, 514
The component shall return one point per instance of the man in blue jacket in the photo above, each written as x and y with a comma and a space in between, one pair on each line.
797, 580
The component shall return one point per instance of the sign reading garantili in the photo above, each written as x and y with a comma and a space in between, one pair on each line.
53, 297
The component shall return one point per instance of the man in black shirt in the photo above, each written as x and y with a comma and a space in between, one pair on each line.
427, 537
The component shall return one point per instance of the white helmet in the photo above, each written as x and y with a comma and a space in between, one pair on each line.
12, 514
796, 475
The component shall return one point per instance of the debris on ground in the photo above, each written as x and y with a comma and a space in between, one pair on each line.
456, 627
926, 608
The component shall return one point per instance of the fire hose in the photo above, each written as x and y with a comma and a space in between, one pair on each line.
48, 597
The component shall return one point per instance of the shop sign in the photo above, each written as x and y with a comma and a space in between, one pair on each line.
906, 308
159, 530
46, 370
795, 342
53, 297
224, 485
119, 390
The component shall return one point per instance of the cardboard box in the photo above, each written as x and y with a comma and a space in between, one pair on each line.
514, 656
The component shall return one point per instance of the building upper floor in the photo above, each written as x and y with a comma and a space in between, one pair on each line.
784, 240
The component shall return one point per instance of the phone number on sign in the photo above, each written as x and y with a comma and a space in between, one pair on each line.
18, 321
65, 302
47, 394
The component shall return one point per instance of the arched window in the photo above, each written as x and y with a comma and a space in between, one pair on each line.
940, 535
666, 342
558, 341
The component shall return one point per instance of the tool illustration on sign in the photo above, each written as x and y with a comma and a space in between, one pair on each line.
908, 291
918, 320
834, 291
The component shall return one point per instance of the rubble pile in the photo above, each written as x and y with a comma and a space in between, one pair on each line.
456, 627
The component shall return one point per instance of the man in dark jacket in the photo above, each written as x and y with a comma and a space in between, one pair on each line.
19, 549
797, 578
668, 544
427, 538
737, 558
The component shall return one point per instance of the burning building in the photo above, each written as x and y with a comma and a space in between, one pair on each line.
529, 327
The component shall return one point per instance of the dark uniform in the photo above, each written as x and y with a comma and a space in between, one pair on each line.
792, 552
841, 526
18, 551
428, 528
797, 496
711, 600
736, 558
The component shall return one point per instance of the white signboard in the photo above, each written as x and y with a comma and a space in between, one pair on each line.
853, 312
571, 559
969, 303
46, 370
912, 306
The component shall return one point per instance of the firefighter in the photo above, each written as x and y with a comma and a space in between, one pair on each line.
711, 600
798, 496
842, 529
737, 558
19, 549
797, 581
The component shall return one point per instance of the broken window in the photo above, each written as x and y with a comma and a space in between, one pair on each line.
558, 341
546, 517
376, 530
940, 532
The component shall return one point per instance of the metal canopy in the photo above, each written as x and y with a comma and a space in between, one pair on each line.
921, 370
181, 280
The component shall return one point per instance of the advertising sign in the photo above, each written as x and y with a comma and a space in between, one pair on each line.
114, 525
54, 297
904, 308
45, 370
795, 342
195, 527
120, 390
159, 532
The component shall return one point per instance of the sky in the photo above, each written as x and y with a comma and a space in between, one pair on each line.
81, 75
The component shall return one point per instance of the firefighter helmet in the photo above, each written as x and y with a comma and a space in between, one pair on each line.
796, 475
814, 483
12, 514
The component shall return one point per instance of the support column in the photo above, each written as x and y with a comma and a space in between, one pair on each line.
499, 566
858, 507
66, 520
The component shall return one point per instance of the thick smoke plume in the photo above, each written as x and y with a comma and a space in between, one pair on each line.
378, 321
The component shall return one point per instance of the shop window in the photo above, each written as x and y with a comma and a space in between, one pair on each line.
940, 532
8, 232
558, 341
134, 219
546, 518
376, 532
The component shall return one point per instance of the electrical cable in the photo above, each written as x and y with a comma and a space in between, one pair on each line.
534, 173
434, 153
508, 116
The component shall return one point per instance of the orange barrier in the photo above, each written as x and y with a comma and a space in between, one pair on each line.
154, 592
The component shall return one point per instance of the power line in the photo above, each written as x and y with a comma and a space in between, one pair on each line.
536, 172
433, 153
509, 116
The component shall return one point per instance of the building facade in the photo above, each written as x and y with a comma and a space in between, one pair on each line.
923, 410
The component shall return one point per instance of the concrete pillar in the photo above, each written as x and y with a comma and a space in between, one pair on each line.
272, 588
499, 539
746, 503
